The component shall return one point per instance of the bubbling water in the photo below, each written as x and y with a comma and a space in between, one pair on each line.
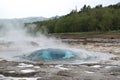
63, 56
51, 54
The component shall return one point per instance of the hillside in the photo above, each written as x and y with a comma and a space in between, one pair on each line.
97, 19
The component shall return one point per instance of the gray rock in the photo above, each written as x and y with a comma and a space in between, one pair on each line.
56, 78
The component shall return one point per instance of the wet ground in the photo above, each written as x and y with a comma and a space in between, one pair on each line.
102, 70
10, 70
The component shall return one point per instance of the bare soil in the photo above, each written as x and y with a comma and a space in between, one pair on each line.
79, 36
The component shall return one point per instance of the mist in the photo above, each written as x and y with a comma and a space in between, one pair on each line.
14, 35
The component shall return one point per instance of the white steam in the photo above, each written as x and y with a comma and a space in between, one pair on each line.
15, 36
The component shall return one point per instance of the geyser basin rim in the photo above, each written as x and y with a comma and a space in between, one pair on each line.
52, 54
76, 57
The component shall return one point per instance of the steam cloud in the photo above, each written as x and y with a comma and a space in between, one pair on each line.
15, 35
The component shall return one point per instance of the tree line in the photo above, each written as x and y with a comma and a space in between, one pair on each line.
87, 19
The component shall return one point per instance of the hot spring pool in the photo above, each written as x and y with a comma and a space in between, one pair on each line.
63, 56
51, 54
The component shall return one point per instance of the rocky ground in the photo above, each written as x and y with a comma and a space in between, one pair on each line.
10, 70
104, 70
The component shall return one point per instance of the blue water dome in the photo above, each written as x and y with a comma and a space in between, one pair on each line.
51, 54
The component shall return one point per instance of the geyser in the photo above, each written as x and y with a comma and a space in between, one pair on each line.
51, 54
15, 41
